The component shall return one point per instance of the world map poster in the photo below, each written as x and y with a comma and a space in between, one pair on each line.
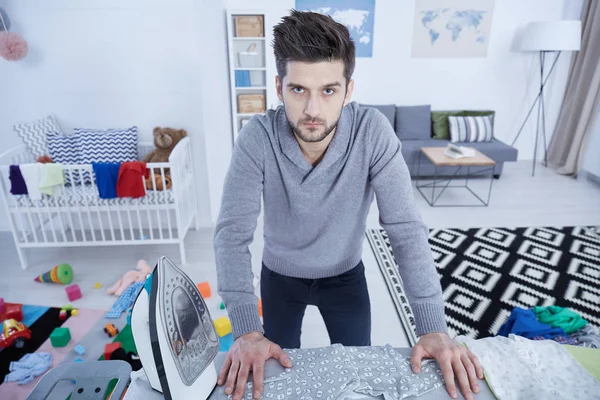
452, 28
357, 15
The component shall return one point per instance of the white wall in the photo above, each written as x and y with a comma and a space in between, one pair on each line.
150, 62
109, 63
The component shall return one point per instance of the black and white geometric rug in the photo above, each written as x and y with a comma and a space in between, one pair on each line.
487, 272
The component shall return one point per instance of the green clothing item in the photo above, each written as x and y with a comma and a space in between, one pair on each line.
559, 317
52, 176
588, 358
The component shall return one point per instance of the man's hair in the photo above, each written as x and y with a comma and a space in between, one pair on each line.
311, 37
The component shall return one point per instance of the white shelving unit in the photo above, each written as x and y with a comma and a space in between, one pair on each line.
259, 68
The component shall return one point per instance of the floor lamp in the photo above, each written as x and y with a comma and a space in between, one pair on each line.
547, 37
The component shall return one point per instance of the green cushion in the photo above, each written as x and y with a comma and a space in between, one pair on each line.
439, 121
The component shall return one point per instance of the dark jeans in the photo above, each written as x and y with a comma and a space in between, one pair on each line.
343, 301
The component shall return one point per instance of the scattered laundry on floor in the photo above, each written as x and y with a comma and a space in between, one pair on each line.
523, 322
125, 301
28, 368
587, 337
560, 317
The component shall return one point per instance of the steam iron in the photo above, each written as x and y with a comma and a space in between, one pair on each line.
174, 334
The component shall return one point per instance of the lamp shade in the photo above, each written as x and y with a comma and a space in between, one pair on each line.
552, 36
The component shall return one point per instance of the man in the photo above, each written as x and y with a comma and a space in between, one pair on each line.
317, 161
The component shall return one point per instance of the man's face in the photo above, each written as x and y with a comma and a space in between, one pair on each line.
313, 95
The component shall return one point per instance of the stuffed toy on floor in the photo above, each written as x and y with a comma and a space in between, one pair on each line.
139, 275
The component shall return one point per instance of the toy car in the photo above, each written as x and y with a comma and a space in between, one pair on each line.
12, 311
14, 333
111, 330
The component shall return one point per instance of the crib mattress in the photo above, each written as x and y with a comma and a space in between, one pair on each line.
87, 195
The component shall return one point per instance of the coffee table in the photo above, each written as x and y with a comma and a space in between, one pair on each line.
475, 167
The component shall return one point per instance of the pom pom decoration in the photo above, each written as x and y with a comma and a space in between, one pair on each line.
12, 45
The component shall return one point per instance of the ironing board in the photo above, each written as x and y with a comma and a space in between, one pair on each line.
140, 389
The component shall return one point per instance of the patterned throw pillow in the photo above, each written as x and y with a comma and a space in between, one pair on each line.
65, 150
471, 129
34, 135
108, 146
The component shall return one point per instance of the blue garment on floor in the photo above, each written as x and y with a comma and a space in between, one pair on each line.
107, 175
125, 300
524, 323
28, 367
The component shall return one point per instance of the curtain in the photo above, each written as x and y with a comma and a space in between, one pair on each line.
581, 100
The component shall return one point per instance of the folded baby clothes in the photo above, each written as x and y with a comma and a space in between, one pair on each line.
17, 183
31, 176
131, 182
52, 178
519, 368
107, 175
587, 337
523, 323
28, 367
560, 317
587, 358
558, 339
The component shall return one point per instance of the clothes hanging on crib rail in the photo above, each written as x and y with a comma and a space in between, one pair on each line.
107, 176
130, 182
31, 176
52, 177
17, 183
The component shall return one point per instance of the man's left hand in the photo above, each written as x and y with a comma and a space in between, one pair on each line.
454, 359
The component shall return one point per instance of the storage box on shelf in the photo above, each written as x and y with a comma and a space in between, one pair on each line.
248, 65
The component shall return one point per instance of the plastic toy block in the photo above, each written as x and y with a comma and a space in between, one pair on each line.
223, 326
78, 359
74, 313
67, 307
62, 315
222, 306
110, 348
2, 305
73, 292
79, 349
60, 337
204, 289
225, 342
260, 307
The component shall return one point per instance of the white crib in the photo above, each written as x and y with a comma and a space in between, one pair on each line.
79, 217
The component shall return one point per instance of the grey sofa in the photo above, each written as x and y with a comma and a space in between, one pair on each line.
413, 125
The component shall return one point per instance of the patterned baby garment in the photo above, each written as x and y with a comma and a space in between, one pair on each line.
337, 372
383, 371
519, 368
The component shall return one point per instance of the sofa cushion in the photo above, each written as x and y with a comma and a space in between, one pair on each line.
389, 110
439, 120
413, 122
471, 129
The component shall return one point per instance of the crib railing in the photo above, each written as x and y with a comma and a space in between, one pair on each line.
78, 217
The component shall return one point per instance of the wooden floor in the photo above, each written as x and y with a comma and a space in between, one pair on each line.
517, 199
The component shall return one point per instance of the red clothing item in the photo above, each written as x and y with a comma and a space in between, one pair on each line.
131, 179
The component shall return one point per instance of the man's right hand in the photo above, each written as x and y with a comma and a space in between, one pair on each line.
249, 353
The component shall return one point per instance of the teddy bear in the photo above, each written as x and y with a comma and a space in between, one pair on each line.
165, 140
139, 275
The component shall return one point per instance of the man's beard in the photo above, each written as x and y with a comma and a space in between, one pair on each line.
308, 139
314, 139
